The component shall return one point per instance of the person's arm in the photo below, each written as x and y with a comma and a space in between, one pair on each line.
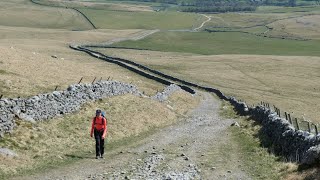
92, 128
105, 128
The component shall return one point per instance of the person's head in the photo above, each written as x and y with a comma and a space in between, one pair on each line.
98, 112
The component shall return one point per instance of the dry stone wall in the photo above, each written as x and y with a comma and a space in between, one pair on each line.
57, 103
164, 95
280, 136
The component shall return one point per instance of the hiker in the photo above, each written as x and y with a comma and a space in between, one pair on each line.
99, 129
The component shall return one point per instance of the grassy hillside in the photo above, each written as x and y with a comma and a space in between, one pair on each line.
141, 20
29, 68
105, 5
31, 34
302, 25
224, 43
279, 9
14, 13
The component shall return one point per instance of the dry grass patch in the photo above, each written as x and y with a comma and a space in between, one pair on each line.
26, 54
309, 174
289, 82
306, 27
241, 20
56, 141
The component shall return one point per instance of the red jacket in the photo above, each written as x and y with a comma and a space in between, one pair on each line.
99, 123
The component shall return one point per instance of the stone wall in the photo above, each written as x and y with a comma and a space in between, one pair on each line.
165, 94
280, 136
57, 103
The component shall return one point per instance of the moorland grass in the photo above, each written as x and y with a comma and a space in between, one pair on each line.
224, 43
26, 14
141, 20
283, 9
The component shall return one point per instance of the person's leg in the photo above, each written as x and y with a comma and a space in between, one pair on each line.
97, 137
101, 146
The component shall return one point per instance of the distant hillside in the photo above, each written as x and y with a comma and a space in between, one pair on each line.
207, 5
226, 5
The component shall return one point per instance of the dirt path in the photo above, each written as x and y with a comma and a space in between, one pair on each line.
135, 37
203, 23
195, 148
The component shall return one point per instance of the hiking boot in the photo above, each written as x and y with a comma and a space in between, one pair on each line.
101, 157
97, 157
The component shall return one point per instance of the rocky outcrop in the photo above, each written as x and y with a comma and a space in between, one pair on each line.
57, 103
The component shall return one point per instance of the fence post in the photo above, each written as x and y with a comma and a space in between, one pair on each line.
279, 113
298, 127
94, 80
309, 127
289, 116
56, 88
285, 113
1, 96
80, 80
100, 79
108, 78
316, 128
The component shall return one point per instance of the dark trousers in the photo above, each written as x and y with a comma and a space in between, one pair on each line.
99, 142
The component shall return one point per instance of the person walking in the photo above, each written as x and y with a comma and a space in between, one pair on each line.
99, 130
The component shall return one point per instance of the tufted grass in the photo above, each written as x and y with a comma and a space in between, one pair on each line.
3, 71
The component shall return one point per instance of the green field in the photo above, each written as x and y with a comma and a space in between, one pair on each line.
142, 20
279, 9
14, 13
224, 43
